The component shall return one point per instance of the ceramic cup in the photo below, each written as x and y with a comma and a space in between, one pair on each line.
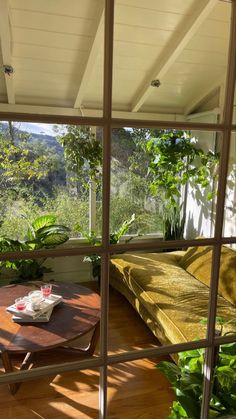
35, 298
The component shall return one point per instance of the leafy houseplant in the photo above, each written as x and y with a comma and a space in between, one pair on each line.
175, 160
95, 260
187, 380
43, 232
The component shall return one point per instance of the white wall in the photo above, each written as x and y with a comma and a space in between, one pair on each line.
68, 269
200, 213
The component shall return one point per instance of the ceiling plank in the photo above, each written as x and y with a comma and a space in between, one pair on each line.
175, 46
90, 65
203, 96
5, 35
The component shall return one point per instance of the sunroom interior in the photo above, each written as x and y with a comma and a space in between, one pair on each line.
126, 83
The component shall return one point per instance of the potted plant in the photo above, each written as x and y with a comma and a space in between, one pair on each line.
186, 379
43, 232
115, 237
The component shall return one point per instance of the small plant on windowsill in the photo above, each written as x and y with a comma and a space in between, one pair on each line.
187, 380
42, 233
93, 240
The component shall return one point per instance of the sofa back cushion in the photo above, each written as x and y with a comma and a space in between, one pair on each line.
197, 261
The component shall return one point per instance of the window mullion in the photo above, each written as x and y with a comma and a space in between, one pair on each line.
107, 112
227, 121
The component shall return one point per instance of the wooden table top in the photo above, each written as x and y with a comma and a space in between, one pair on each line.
75, 316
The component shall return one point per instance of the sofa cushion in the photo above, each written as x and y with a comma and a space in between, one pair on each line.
173, 298
197, 261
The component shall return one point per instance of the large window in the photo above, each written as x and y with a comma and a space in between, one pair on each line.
54, 169
163, 149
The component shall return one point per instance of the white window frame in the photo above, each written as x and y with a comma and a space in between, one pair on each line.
108, 122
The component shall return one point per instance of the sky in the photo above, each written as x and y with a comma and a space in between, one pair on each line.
37, 128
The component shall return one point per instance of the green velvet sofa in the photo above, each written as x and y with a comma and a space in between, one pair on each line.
170, 291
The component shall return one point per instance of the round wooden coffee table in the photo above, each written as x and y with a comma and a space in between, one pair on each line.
78, 314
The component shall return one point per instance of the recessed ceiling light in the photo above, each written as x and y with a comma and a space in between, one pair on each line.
7, 69
155, 83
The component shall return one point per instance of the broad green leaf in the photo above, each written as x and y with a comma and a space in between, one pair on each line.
191, 382
177, 411
190, 354
54, 240
191, 405
170, 370
195, 365
229, 348
115, 237
226, 377
213, 414
52, 229
43, 221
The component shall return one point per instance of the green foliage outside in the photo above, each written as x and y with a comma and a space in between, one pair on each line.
67, 208
83, 153
148, 169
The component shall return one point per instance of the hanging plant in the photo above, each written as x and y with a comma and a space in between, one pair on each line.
175, 160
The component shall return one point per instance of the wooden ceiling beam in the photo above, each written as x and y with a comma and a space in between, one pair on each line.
173, 49
86, 112
203, 96
5, 35
90, 64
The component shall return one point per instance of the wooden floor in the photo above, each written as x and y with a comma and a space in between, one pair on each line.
136, 389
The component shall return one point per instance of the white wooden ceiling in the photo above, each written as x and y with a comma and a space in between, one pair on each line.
56, 50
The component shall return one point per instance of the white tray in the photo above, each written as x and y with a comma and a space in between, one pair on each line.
30, 314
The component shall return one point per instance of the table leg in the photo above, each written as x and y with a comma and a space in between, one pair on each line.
7, 364
26, 361
94, 340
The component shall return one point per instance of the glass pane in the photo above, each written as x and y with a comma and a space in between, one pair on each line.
70, 269
230, 198
166, 293
170, 59
139, 389
70, 395
37, 314
38, 324
54, 57
222, 402
234, 109
185, 376
50, 171
226, 303
163, 183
